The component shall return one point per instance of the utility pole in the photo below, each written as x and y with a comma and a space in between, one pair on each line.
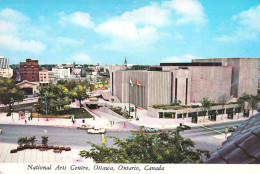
46, 107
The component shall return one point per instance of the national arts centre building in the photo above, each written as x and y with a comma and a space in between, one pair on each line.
188, 83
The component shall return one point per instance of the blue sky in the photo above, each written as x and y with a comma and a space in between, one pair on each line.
146, 32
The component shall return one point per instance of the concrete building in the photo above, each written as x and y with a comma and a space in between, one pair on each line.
29, 70
187, 82
4, 62
61, 73
44, 77
244, 74
7, 73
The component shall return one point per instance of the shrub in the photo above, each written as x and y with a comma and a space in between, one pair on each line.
13, 151
56, 147
62, 148
20, 148
50, 147
67, 149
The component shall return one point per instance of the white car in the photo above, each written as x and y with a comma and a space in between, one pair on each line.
96, 131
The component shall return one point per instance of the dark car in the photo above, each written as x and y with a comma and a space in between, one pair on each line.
8, 114
184, 127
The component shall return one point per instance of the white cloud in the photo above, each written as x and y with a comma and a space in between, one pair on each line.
13, 16
249, 18
7, 27
183, 58
16, 44
248, 26
78, 18
152, 15
82, 58
66, 40
190, 11
14, 27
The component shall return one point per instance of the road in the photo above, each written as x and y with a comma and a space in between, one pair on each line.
60, 136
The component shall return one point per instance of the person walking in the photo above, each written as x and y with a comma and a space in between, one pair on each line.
226, 131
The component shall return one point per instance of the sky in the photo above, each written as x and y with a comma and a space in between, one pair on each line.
146, 32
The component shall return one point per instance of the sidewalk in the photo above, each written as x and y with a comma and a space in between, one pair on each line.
37, 156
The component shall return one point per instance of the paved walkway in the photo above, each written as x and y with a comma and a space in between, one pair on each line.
37, 156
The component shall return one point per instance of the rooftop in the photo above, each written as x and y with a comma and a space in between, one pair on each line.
242, 147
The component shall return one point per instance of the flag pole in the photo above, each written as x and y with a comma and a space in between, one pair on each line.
129, 97
135, 99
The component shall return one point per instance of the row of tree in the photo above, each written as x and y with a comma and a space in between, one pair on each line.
61, 94
249, 101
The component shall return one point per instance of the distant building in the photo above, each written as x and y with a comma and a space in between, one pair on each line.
4, 62
44, 77
29, 70
7, 73
125, 62
61, 73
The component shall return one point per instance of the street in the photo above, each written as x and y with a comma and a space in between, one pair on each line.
60, 136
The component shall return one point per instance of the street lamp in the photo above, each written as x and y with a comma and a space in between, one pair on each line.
12, 114
46, 106
12, 103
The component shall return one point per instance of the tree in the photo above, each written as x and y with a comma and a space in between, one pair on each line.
45, 140
205, 104
165, 147
242, 101
57, 97
104, 81
9, 92
253, 102
80, 92
21, 141
32, 140
223, 100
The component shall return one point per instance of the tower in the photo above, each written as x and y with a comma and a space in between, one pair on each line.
125, 62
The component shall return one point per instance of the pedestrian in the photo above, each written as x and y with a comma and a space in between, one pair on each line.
31, 116
25, 121
226, 131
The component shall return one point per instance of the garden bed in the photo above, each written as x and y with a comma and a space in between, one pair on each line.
78, 112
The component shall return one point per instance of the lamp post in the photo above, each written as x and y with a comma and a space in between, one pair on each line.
46, 106
12, 103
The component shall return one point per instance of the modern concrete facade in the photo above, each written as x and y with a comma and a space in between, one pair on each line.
244, 74
187, 82
29, 70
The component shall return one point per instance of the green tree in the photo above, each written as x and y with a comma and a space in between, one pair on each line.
21, 141
45, 140
9, 92
223, 100
242, 100
57, 97
32, 140
253, 102
80, 92
104, 81
165, 147
205, 104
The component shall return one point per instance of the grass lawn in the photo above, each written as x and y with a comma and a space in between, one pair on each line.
79, 113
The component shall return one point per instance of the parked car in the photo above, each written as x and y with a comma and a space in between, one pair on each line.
85, 127
8, 114
151, 130
184, 127
96, 131
232, 129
